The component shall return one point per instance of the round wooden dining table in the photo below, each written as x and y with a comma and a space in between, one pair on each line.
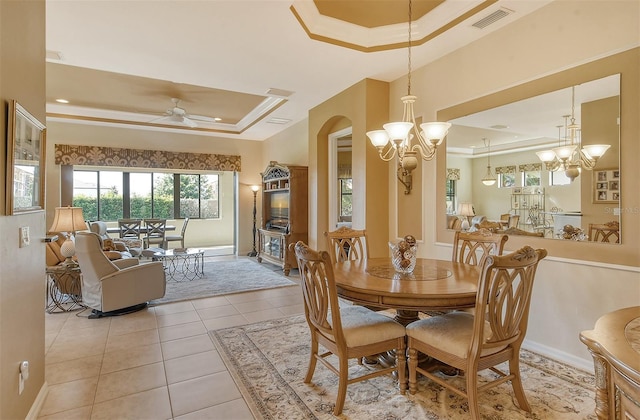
434, 285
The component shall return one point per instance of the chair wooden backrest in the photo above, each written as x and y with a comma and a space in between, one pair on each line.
502, 303
129, 228
319, 293
608, 232
514, 219
467, 245
156, 231
346, 244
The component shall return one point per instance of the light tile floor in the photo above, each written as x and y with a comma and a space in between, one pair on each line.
158, 363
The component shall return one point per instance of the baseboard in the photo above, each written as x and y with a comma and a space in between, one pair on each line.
34, 412
555, 354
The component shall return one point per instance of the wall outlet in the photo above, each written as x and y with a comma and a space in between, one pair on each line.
25, 239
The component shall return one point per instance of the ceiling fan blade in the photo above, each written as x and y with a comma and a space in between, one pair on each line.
188, 122
203, 118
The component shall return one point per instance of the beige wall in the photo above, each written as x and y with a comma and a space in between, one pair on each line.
365, 105
22, 77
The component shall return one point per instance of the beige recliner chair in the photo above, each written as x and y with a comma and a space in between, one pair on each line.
115, 287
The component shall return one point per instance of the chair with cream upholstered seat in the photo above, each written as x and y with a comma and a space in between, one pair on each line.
493, 335
346, 244
467, 246
347, 332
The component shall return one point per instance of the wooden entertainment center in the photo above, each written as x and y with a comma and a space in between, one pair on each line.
284, 213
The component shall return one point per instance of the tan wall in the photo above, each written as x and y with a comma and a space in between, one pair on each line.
365, 105
22, 77
250, 152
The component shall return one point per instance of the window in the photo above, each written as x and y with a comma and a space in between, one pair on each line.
507, 180
450, 193
346, 195
531, 178
111, 195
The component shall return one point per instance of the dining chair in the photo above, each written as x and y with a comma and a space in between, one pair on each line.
129, 228
171, 238
346, 244
514, 219
467, 246
504, 219
156, 232
608, 232
348, 332
480, 341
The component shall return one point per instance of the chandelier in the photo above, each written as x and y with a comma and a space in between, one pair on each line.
571, 157
403, 137
488, 179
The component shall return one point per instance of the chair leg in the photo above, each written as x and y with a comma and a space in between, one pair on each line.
413, 364
342, 385
472, 394
401, 365
516, 383
312, 360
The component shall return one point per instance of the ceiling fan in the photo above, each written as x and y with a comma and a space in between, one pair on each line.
179, 115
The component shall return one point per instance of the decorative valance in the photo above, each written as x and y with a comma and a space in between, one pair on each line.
453, 174
344, 171
530, 167
139, 158
506, 169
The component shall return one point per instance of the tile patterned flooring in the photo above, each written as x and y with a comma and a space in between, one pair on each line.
158, 363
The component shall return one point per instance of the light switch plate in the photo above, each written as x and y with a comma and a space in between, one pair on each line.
25, 239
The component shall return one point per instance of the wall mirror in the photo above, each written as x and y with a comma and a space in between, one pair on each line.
498, 174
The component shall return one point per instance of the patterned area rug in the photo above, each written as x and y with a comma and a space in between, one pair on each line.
268, 361
223, 278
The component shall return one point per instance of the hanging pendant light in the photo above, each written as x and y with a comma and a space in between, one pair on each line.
404, 138
488, 179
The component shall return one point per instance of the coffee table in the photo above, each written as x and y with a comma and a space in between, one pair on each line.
181, 263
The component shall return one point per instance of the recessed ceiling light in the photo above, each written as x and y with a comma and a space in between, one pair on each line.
62, 101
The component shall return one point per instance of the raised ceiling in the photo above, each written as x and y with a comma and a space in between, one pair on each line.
258, 65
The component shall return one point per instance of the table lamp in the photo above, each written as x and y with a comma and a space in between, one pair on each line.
68, 220
465, 210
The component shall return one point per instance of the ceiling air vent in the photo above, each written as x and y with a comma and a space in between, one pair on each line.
492, 18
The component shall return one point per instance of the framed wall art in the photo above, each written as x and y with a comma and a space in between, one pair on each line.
606, 186
25, 161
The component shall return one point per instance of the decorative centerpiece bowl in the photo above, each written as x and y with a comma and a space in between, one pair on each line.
403, 255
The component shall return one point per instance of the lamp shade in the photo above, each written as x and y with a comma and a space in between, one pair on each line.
435, 131
398, 130
565, 152
465, 209
255, 188
379, 138
595, 151
68, 219
546, 155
